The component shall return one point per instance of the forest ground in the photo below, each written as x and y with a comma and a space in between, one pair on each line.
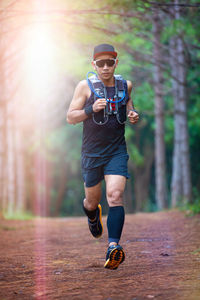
59, 259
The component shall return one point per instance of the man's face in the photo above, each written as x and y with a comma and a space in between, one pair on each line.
105, 65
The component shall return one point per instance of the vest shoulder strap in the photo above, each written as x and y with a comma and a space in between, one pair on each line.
96, 81
120, 82
99, 88
97, 85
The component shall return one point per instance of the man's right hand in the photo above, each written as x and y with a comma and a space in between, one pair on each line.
99, 104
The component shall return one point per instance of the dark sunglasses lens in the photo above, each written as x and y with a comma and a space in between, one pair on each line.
101, 63
110, 62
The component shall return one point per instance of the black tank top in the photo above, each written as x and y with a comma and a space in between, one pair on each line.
102, 141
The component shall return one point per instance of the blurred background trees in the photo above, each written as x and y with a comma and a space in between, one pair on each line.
46, 48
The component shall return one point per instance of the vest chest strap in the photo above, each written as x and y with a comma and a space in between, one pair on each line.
115, 106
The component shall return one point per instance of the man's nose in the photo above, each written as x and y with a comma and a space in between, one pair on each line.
105, 66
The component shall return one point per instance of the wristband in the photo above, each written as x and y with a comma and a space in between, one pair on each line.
88, 110
134, 111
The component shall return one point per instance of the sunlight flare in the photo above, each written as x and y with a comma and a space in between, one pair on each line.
40, 60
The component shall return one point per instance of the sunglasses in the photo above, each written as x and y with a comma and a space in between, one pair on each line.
101, 62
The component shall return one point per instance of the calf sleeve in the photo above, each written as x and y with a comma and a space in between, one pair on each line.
115, 223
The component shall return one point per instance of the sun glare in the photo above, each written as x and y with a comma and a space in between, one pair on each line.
39, 60
39, 74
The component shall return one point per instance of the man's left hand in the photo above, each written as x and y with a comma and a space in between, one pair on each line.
133, 116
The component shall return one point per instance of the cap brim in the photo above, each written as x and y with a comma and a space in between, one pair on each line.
113, 53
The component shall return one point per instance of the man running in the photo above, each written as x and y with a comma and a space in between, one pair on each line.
102, 104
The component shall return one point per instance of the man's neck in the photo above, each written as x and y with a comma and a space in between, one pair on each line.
109, 83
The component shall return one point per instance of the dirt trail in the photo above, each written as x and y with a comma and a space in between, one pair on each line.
59, 259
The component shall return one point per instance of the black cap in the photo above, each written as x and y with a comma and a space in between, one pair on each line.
104, 49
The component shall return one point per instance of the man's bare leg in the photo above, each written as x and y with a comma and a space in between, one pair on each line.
115, 185
92, 196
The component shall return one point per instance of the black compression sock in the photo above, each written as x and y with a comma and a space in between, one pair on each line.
90, 213
115, 223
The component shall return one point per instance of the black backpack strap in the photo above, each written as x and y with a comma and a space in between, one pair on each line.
121, 86
121, 112
99, 89
101, 117
126, 91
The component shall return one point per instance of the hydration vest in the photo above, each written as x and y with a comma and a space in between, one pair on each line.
115, 106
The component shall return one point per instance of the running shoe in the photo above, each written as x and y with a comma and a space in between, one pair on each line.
96, 227
114, 257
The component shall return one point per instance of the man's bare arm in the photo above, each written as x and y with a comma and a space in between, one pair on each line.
76, 113
132, 115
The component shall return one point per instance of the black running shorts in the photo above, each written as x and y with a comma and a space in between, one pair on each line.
114, 165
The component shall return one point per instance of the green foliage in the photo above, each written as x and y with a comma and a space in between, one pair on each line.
7, 228
194, 207
134, 154
169, 130
72, 204
196, 252
65, 143
18, 216
65, 148
143, 97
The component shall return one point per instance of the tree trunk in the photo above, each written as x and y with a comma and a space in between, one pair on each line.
181, 186
2, 154
10, 162
5, 165
142, 179
61, 190
176, 182
141, 185
184, 149
159, 117
42, 169
20, 176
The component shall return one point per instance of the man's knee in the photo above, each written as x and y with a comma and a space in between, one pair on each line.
115, 197
90, 204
